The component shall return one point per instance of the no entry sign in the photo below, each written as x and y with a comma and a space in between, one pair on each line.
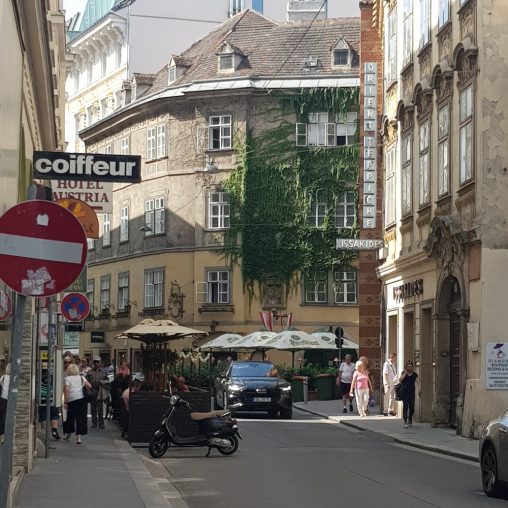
42, 248
75, 307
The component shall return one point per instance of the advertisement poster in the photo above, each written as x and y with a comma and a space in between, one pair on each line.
496, 368
71, 342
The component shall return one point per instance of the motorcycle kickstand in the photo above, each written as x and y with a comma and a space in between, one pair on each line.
209, 450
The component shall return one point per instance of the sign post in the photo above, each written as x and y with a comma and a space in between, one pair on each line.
49, 384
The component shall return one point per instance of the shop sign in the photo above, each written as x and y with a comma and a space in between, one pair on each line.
97, 337
97, 195
358, 244
71, 340
496, 369
408, 290
370, 145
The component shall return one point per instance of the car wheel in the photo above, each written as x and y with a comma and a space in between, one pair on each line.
286, 413
490, 481
233, 445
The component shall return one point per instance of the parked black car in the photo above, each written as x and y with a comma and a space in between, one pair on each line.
257, 386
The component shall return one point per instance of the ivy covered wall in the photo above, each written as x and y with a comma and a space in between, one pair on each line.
272, 186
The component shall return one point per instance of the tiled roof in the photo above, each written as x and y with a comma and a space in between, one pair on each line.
266, 45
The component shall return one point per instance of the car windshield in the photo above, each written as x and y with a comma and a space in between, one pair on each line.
251, 369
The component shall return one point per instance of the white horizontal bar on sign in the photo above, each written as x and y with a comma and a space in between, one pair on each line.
40, 248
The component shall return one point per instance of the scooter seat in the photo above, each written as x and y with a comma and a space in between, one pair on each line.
204, 416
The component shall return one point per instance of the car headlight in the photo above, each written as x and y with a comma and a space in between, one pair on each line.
286, 389
235, 388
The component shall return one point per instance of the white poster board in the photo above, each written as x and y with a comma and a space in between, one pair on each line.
496, 365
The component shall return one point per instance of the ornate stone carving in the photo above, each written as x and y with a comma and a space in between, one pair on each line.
390, 136
444, 206
467, 68
407, 79
407, 119
467, 20
424, 103
391, 101
444, 43
175, 301
466, 206
425, 62
443, 88
407, 234
444, 243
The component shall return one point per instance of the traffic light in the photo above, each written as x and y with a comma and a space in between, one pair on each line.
339, 333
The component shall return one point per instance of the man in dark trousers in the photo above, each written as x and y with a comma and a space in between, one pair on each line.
98, 378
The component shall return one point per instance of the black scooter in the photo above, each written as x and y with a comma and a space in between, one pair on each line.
216, 430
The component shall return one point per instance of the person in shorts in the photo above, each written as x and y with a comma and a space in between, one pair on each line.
344, 379
54, 415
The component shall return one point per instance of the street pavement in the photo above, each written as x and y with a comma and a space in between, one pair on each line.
313, 462
421, 435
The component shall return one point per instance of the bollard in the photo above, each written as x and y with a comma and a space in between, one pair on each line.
305, 390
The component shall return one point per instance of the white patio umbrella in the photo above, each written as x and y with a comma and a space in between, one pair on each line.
328, 340
222, 342
255, 340
295, 340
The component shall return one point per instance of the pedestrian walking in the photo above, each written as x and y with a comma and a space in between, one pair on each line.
75, 404
409, 379
84, 368
100, 392
344, 379
4, 395
361, 387
366, 363
389, 382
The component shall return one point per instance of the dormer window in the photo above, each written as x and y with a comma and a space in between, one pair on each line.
226, 62
341, 54
178, 65
172, 74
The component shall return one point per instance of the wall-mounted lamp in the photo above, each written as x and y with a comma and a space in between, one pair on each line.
210, 167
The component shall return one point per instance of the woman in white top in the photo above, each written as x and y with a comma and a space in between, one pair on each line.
4, 382
75, 403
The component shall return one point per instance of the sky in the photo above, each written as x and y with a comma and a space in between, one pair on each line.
73, 6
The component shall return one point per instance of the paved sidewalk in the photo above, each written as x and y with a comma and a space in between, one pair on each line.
421, 435
104, 471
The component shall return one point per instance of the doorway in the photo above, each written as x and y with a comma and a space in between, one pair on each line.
426, 368
454, 365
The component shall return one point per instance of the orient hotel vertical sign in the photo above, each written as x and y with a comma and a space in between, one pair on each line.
370, 145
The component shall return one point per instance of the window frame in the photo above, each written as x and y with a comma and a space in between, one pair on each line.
210, 284
466, 124
172, 74
229, 57
443, 151
124, 146
345, 52
105, 303
317, 210
124, 224
315, 284
344, 201
443, 14
424, 187
106, 230
406, 180
407, 33
90, 294
123, 291
158, 288
225, 141
391, 46
424, 35
155, 207
151, 143
345, 282
223, 210
390, 185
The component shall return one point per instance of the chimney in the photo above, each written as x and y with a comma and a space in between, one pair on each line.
305, 10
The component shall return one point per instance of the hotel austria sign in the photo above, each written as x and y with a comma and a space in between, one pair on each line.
87, 166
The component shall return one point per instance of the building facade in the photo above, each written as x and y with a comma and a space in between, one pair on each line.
443, 213
201, 240
32, 101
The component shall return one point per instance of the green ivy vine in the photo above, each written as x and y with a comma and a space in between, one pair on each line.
270, 193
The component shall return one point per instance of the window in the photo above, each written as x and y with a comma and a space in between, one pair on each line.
219, 132
340, 57
317, 210
123, 290
407, 176
154, 216
424, 163
226, 62
172, 74
424, 23
105, 293
345, 210
466, 134
90, 293
316, 285
344, 286
161, 141
218, 210
90, 242
346, 128
318, 129
106, 230
391, 46
443, 151
444, 12
235, 6
257, 5
407, 30
107, 149
390, 163
218, 285
151, 148
124, 146
156, 142
154, 288
124, 224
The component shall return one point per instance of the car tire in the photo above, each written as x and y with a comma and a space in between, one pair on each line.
286, 413
488, 463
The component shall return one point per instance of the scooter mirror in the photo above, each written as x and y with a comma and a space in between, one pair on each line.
173, 400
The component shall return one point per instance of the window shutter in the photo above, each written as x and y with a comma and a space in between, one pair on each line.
301, 134
201, 139
331, 138
201, 292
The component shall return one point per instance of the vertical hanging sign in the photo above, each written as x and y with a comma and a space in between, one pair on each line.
370, 145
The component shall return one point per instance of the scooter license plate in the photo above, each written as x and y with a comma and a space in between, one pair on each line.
262, 399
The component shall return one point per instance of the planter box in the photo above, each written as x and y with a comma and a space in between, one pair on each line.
147, 408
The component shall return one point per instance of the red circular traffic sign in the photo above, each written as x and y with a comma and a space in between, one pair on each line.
5, 305
42, 248
75, 307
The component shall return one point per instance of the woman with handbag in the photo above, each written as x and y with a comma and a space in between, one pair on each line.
75, 388
409, 379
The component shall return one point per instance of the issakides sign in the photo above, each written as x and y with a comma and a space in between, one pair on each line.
87, 166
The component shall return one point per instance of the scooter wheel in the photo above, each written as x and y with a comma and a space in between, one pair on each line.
233, 446
158, 446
